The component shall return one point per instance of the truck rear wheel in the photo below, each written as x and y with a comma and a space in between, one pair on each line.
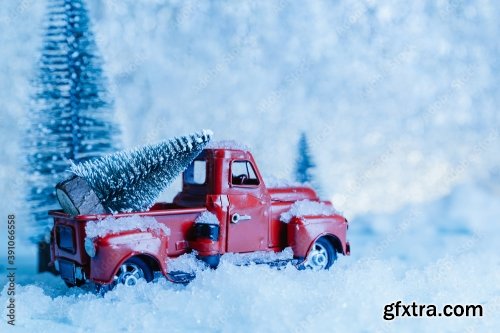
132, 270
321, 256
129, 273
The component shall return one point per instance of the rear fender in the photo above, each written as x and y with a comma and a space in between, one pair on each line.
113, 251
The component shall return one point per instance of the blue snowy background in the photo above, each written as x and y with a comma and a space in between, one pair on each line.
401, 106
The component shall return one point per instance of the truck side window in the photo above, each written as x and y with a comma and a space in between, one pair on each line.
243, 173
196, 173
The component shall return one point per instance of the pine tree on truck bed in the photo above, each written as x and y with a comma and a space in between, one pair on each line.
132, 180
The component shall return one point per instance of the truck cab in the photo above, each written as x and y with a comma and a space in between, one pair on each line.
229, 183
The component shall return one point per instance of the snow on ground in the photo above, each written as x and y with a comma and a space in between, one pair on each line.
111, 225
443, 252
256, 298
186, 263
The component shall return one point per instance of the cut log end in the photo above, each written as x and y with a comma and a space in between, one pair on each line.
77, 198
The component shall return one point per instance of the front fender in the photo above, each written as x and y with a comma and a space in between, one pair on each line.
303, 232
112, 251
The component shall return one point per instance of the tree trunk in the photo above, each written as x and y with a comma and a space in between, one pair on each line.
77, 198
44, 258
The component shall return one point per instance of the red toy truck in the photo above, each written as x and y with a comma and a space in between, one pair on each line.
222, 181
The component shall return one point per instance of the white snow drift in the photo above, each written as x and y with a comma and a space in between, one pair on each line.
256, 298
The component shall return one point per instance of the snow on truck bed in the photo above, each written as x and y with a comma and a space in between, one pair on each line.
111, 225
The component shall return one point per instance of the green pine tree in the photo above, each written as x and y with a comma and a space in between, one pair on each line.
71, 116
132, 180
304, 166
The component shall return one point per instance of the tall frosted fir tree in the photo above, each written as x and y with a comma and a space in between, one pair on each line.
304, 165
71, 114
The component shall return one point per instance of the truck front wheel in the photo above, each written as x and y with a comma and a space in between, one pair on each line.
321, 256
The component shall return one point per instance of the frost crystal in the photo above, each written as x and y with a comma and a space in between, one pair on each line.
307, 207
111, 225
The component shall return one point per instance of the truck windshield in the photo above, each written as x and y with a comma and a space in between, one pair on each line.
196, 173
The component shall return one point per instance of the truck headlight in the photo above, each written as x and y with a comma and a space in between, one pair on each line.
90, 247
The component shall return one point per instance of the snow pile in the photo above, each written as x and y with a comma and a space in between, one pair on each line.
256, 298
227, 144
257, 257
308, 208
275, 182
207, 218
111, 225
187, 263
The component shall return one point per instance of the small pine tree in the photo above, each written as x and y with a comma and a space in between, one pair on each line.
71, 116
132, 180
304, 166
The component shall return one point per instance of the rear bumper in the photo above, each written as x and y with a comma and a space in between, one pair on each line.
70, 271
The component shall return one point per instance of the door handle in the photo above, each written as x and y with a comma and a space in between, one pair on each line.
235, 218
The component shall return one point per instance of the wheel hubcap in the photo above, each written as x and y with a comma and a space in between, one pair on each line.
129, 274
317, 258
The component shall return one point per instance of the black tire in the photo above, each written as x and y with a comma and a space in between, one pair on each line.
321, 256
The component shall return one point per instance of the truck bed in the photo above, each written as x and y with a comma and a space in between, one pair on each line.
159, 209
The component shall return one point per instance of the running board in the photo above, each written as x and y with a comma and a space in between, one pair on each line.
185, 278
278, 264
180, 277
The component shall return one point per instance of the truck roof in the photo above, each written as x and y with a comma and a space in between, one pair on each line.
228, 145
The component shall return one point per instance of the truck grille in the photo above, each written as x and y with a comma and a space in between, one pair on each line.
65, 238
